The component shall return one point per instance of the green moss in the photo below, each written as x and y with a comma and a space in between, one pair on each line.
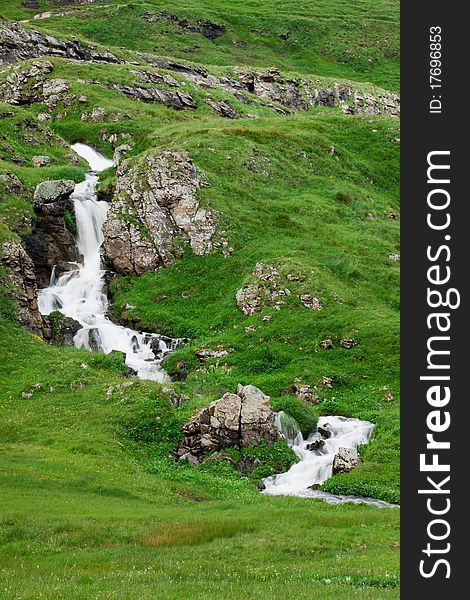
305, 414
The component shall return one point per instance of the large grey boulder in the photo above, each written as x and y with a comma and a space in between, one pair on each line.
154, 212
240, 419
51, 197
256, 416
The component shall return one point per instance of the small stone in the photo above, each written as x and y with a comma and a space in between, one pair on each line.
123, 386
324, 432
316, 445
394, 256
248, 299
224, 109
345, 460
326, 344
26, 394
304, 392
189, 458
41, 161
348, 343
205, 354
97, 115
311, 302
119, 152
43, 117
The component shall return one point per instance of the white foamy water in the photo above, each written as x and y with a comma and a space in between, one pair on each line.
316, 466
78, 293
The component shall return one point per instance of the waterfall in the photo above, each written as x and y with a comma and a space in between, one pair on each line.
78, 293
316, 455
289, 428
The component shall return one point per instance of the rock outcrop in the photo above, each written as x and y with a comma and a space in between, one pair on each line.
268, 289
240, 419
209, 30
248, 299
269, 85
178, 100
51, 242
305, 392
18, 43
298, 94
25, 85
345, 460
222, 108
28, 84
22, 285
154, 212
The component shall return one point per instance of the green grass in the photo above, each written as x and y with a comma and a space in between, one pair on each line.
88, 514
294, 221
356, 40
94, 504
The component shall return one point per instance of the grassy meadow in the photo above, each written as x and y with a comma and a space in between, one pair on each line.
92, 502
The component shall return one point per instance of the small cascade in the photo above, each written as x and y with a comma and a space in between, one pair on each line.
316, 455
78, 293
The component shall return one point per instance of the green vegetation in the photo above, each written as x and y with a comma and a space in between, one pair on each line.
304, 415
93, 507
335, 251
94, 504
358, 40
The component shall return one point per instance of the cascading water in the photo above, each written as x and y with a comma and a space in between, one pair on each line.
78, 293
316, 455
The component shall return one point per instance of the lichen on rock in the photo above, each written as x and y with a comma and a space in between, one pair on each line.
154, 212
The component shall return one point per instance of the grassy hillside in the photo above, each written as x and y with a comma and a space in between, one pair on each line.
89, 511
93, 503
356, 40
